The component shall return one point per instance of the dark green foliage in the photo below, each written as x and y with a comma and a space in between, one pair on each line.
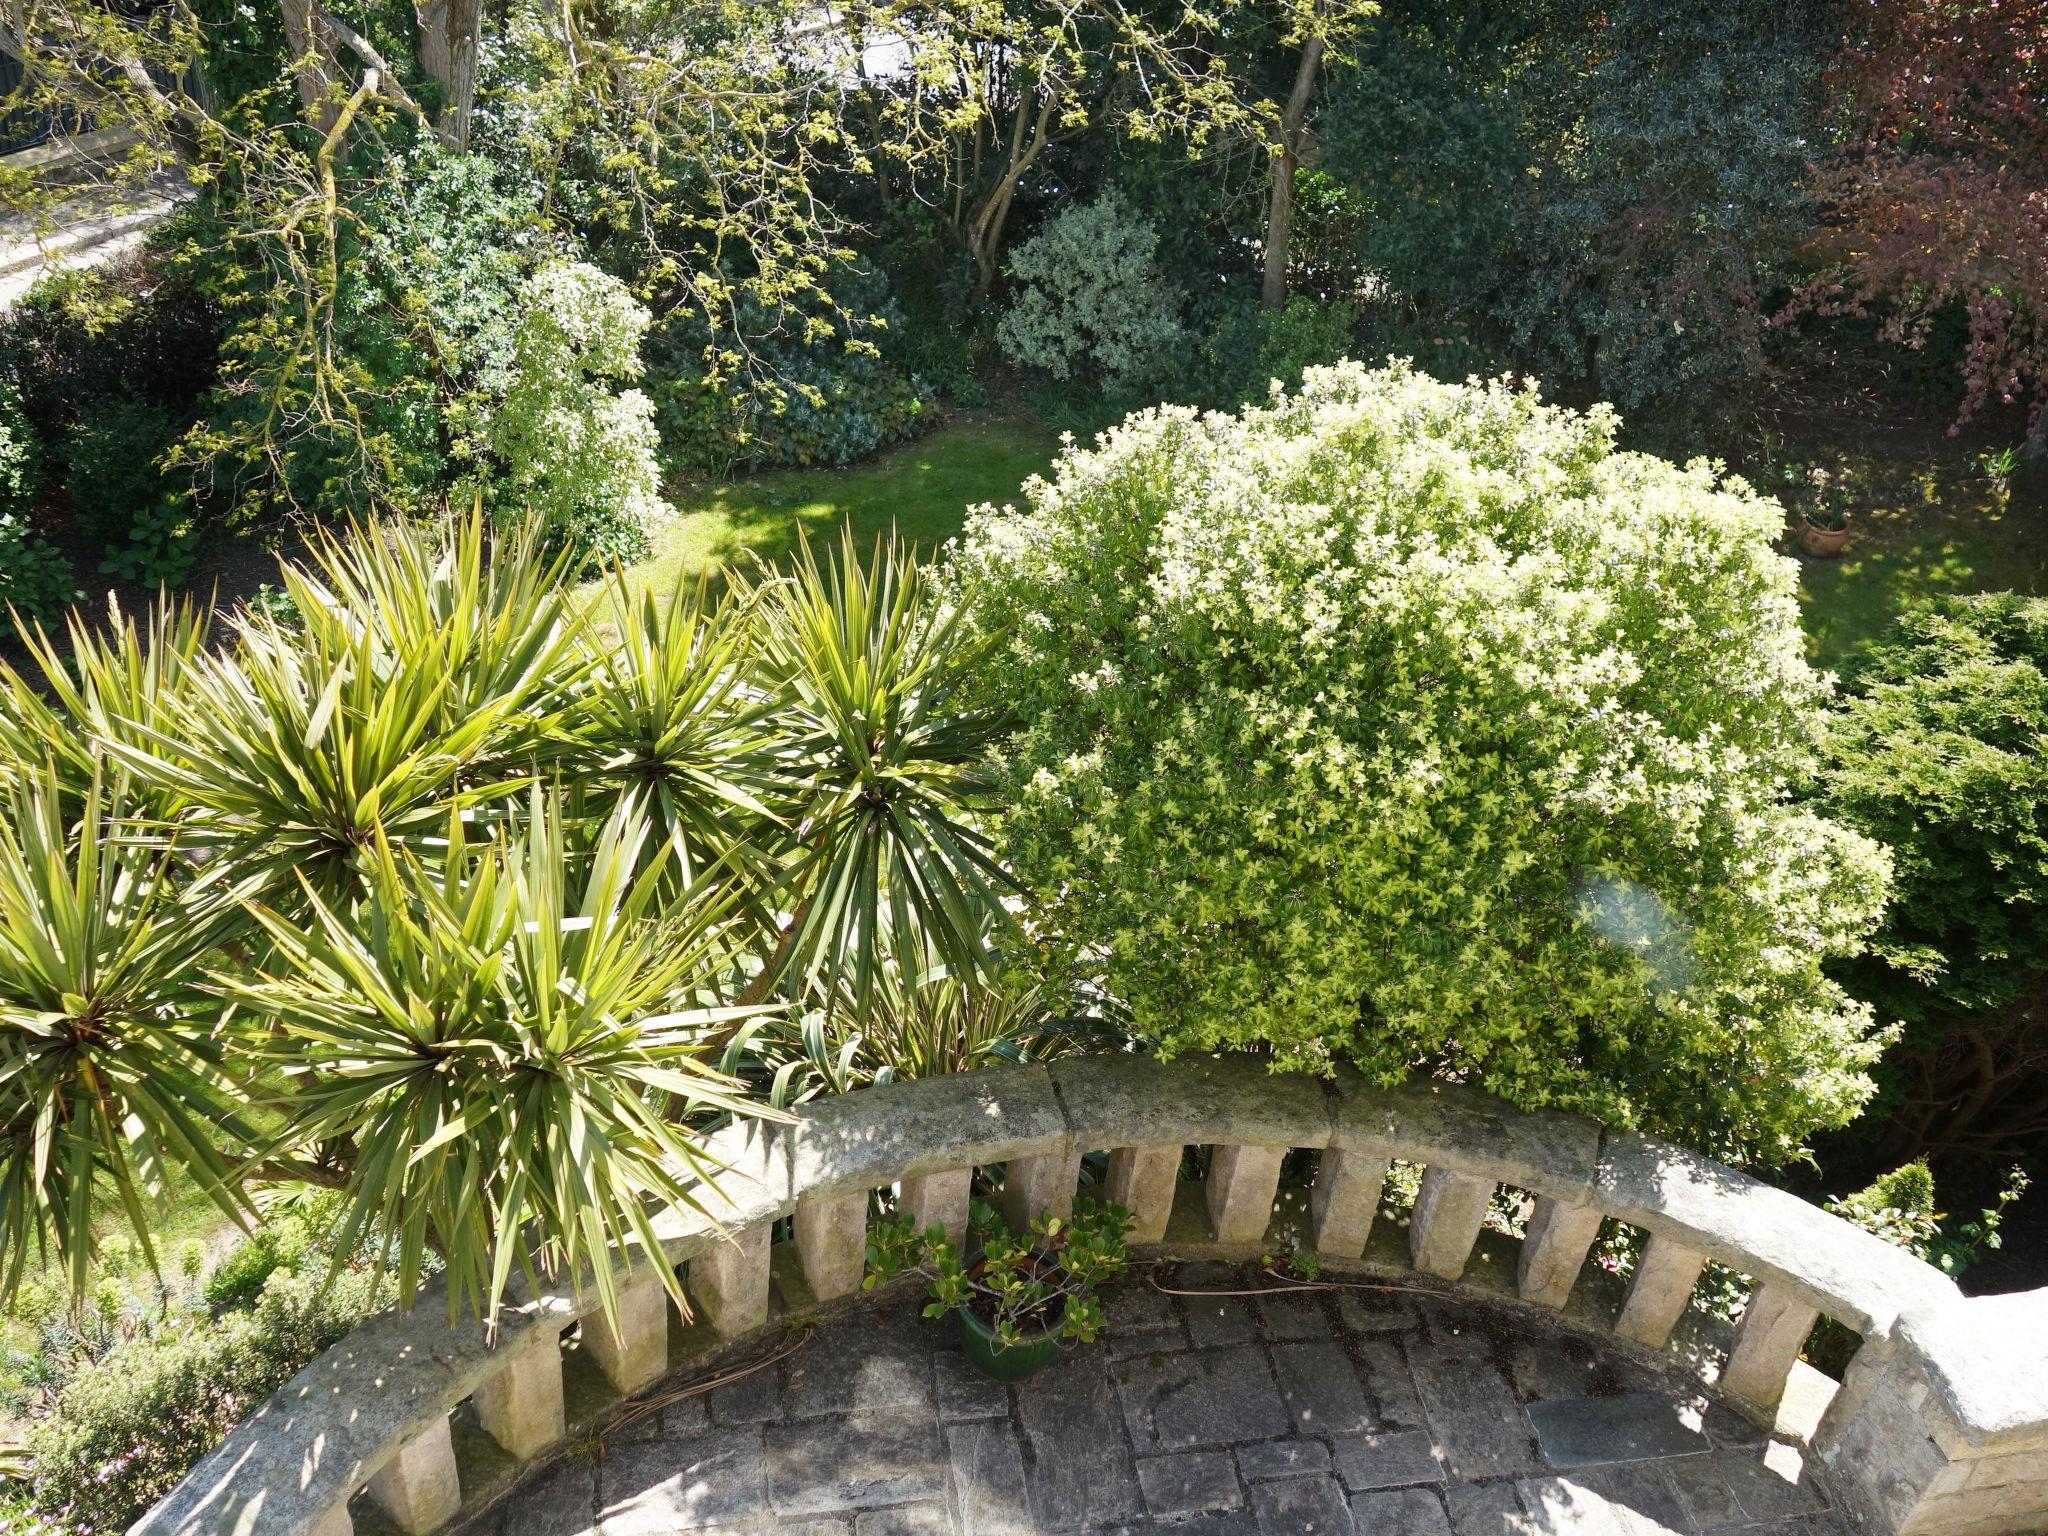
35, 579
1942, 752
1251, 347
826, 394
129, 505
129, 1426
1612, 196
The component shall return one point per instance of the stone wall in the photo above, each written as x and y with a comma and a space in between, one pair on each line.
1940, 1425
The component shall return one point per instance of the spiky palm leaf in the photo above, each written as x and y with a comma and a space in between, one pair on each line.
502, 1042
489, 611
297, 751
113, 673
671, 716
885, 768
112, 1071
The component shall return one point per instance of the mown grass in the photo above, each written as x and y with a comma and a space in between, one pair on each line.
1927, 521
921, 491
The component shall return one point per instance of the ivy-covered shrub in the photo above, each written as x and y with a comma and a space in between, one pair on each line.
130, 1425
130, 506
1092, 304
35, 579
821, 389
572, 448
1252, 347
1938, 752
1412, 725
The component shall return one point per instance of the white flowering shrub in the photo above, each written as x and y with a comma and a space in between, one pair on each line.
1412, 725
1091, 301
572, 447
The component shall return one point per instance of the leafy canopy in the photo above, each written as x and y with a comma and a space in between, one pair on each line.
1410, 724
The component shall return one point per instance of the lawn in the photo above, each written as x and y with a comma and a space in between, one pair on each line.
921, 490
1926, 521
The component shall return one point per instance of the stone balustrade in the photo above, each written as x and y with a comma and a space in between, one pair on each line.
1940, 1425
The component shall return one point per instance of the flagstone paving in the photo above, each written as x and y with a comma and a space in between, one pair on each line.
1332, 1413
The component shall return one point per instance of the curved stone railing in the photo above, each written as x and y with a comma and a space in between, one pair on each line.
1940, 1424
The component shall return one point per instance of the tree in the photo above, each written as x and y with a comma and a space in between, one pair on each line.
1936, 186
1941, 751
1311, 28
1412, 725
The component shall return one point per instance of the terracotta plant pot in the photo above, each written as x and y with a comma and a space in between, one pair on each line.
1026, 1358
1822, 543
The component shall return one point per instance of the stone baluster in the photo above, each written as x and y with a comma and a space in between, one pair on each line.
1449, 1211
521, 1406
1345, 1199
1659, 1291
335, 1522
1242, 1184
417, 1488
1039, 1186
832, 1242
1554, 1250
729, 1281
1142, 1180
1767, 1343
938, 1200
637, 1354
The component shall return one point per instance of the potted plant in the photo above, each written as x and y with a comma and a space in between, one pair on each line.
1823, 506
1015, 1300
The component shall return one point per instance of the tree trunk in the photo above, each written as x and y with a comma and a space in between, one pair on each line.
313, 64
450, 32
1286, 159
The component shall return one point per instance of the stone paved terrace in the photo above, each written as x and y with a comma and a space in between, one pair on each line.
1339, 1413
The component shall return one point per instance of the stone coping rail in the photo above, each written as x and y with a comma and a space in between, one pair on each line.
1939, 1425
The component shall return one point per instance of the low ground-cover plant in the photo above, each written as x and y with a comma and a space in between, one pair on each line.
1413, 725
1016, 1293
129, 1425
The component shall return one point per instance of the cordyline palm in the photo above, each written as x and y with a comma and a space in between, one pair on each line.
112, 1069
501, 1044
115, 673
490, 612
882, 771
670, 716
296, 752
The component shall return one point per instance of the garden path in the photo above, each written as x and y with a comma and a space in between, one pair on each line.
1352, 1413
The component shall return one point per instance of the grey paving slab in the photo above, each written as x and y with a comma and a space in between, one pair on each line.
1327, 1414
1588, 1431
863, 1364
1294, 1317
1302, 1506
1387, 1461
1282, 1458
563, 1503
1203, 1397
1321, 1391
1485, 1509
857, 1461
1189, 1483
1400, 1512
657, 1487
1081, 1462
986, 1462
1477, 1423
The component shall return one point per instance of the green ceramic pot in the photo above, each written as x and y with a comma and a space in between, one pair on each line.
1026, 1358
